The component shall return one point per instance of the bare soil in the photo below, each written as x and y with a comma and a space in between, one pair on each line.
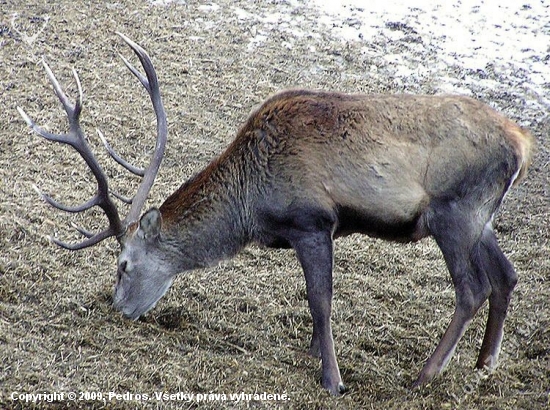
242, 326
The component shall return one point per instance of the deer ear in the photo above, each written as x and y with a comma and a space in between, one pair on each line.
150, 224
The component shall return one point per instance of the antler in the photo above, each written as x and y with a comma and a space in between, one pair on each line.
75, 138
152, 86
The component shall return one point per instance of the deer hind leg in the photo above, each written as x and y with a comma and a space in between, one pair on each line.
456, 231
314, 251
503, 278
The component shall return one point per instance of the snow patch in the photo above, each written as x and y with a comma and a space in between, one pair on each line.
430, 40
511, 38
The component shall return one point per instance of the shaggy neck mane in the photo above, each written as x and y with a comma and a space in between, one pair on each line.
208, 214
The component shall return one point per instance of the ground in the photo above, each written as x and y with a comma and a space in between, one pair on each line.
242, 326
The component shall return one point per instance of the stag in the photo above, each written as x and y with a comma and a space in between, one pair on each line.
309, 166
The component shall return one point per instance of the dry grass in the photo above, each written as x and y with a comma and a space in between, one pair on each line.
242, 326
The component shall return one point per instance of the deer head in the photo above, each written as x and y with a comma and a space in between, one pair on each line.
141, 292
145, 267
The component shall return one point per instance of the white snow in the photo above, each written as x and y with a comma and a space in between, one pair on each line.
212, 7
509, 38
472, 34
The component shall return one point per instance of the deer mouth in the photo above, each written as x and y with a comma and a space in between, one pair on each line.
134, 309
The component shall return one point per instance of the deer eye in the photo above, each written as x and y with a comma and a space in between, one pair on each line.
124, 266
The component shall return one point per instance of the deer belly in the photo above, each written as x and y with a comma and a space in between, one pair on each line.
382, 211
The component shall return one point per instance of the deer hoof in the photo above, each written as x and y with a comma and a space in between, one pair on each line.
337, 390
421, 381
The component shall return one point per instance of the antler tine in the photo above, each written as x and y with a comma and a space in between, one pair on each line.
145, 62
75, 138
150, 83
122, 198
72, 209
134, 170
83, 232
90, 241
72, 110
66, 139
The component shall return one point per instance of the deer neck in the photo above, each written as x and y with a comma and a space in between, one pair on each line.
205, 220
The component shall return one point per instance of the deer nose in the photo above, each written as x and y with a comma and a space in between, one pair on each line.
118, 296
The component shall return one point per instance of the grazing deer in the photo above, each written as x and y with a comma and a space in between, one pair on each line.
307, 167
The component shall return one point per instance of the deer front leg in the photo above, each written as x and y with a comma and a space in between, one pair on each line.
314, 251
315, 345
